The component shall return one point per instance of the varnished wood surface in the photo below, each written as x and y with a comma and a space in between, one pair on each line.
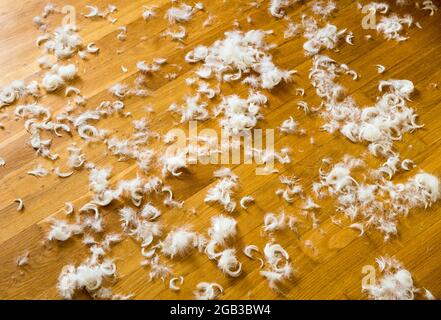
332, 271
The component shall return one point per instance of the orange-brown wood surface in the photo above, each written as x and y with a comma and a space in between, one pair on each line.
332, 270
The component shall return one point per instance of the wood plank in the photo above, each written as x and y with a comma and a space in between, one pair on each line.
330, 271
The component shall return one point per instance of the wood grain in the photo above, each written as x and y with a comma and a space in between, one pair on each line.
332, 270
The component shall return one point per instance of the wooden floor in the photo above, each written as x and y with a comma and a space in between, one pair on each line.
332, 270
